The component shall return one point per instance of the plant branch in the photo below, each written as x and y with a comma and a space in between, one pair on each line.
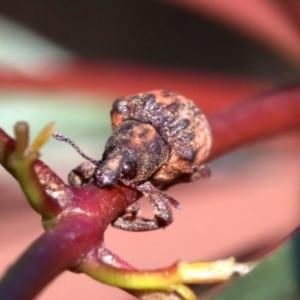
262, 116
75, 218
55, 251
35, 178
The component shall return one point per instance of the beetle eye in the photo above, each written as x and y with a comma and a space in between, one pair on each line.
129, 170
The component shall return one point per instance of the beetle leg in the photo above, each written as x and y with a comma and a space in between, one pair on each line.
162, 212
82, 174
202, 172
132, 212
160, 204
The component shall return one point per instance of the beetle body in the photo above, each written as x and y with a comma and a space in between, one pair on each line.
180, 124
158, 138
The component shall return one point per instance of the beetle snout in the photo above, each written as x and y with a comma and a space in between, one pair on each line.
104, 181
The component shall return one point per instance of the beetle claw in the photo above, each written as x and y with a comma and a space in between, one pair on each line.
160, 204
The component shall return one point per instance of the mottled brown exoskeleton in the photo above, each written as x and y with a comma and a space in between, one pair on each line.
159, 138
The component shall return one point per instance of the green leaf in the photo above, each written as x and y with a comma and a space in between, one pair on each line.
276, 278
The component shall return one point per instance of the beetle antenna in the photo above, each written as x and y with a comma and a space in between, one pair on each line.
60, 137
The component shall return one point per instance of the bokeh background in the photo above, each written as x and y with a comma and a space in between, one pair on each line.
67, 61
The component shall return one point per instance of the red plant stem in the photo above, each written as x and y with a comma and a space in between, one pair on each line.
52, 253
262, 116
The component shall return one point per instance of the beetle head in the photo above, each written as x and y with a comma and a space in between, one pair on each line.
114, 165
133, 152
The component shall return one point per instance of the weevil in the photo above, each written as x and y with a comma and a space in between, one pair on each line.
159, 138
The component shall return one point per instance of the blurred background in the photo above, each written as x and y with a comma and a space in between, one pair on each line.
197, 35
66, 61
